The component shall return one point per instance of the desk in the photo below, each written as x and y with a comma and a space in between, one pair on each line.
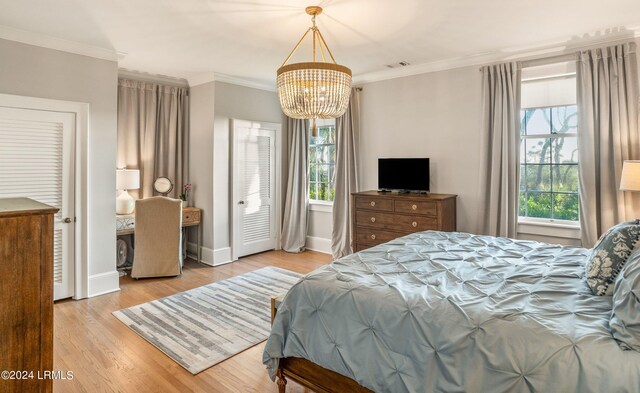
191, 216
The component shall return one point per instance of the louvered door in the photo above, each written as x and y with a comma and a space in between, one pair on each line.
255, 160
37, 161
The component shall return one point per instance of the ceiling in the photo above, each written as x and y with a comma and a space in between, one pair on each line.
250, 39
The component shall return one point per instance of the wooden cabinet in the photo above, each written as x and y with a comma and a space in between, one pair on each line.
379, 217
26, 293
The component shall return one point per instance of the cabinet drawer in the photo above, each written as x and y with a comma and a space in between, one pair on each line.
190, 217
359, 247
417, 207
374, 236
396, 222
380, 204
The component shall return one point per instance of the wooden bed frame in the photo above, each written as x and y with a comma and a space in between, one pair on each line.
310, 375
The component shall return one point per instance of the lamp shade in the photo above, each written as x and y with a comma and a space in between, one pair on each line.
630, 179
127, 179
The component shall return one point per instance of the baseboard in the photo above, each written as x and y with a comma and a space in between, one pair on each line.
210, 257
319, 244
103, 283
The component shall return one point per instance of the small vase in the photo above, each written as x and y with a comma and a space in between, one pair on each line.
185, 204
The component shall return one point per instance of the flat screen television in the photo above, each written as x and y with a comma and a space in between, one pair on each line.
403, 174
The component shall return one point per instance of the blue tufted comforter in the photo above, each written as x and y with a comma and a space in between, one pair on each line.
454, 312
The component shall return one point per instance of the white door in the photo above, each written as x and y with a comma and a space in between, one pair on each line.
37, 161
254, 169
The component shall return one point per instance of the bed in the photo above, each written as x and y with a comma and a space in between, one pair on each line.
450, 312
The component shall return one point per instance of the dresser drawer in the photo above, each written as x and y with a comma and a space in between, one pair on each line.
360, 247
379, 204
417, 207
395, 222
374, 236
190, 216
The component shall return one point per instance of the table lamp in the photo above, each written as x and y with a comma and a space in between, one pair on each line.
630, 179
126, 179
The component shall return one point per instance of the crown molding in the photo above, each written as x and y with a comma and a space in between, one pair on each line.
200, 78
234, 80
154, 78
542, 51
206, 77
45, 41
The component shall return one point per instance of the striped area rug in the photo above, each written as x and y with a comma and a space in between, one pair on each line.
206, 325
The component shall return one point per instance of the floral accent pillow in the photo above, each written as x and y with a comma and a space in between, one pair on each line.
609, 256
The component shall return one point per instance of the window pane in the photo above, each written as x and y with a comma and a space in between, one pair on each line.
523, 121
539, 205
565, 178
538, 150
564, 119
522, 205
539, 177
565, 207
565, 150
538, 121
323, 173
312, 191
523, 177
312, 154
312, 171
331, 151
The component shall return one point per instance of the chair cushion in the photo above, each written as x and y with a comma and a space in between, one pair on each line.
625, 318
609, 256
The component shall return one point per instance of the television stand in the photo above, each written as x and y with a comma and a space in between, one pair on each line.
379, 217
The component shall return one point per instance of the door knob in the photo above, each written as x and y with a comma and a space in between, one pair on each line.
67, 220
240, 202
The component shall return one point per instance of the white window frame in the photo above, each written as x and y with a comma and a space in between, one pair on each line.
548, 226
318, 204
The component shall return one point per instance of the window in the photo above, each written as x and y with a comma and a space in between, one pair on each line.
549, 163
322, 161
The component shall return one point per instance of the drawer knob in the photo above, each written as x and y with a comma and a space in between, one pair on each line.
373, 237
373, 203
373, 219
414, 207
187, 217
414, 224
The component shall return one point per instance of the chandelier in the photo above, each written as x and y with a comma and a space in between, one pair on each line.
316, 89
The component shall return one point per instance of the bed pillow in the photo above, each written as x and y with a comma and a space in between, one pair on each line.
625, 318
609, 256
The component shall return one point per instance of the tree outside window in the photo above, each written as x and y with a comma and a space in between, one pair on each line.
549, 181
322, 161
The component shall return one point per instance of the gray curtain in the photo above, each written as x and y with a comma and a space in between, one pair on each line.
345, 175
153, 133
500, 149
607, 80
295, 184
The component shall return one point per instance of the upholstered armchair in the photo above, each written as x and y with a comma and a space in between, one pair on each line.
158, 238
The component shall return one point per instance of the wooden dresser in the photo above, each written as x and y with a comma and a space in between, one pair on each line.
379, 217
26, 293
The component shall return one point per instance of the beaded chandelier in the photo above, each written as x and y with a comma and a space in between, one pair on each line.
314, 90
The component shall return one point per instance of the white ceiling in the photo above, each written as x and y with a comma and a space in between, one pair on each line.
249, 39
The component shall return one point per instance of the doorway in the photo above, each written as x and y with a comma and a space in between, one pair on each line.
253, 200
37, 161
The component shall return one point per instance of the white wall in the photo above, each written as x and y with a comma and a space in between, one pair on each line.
38, 72
232, 102
436, 115
201, 104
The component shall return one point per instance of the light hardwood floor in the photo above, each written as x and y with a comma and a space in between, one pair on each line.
106, 356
